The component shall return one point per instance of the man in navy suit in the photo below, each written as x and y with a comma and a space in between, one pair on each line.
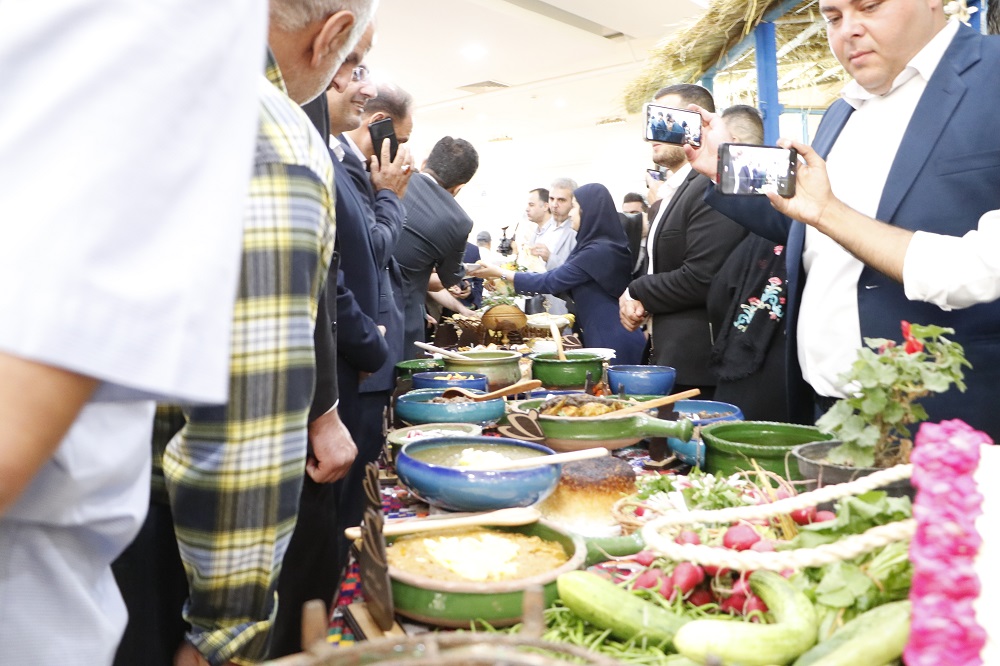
909, 145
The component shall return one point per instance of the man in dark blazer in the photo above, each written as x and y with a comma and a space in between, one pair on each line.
687, 243
436, 230
942, 177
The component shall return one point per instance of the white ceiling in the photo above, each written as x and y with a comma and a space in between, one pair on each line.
565, 64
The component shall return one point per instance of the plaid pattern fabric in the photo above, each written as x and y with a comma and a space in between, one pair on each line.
234, 472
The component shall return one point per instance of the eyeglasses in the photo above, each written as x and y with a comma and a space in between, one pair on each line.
360, 73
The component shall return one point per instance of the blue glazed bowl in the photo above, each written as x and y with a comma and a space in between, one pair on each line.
701, 412
414, 407
641, 379
440, 380
458, 489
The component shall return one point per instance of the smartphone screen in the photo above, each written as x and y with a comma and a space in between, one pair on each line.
656, 174
380, 130
746, 169
669, 125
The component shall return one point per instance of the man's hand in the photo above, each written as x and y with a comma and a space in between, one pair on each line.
394, 175
461, 290
631, 312
540, 250
714, 133
813, 196
333, 449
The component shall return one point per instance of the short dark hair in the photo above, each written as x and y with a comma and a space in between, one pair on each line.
392, 100
453, 161
633, 197
745, 122
690, 93
543, 194
993, 17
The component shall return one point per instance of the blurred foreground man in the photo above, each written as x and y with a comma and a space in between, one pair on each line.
115, 292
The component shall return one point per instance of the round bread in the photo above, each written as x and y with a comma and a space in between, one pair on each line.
586, 491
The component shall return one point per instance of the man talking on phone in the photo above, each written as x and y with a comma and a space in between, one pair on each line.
687, 243
908, 144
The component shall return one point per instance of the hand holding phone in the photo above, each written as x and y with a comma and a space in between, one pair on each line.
379, 131
656, 174
747, 169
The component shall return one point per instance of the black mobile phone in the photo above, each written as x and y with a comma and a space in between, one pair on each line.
747, 169
380, 130
656, 174
669, 125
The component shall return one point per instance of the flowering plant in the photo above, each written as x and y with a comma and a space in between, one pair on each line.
884, 384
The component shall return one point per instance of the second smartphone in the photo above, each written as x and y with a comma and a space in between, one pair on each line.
747, 169
380, 130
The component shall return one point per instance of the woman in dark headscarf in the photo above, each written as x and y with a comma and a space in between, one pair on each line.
595, 274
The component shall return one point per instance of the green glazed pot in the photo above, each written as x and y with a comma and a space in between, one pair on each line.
730, 446
567, 433
457, 604
569, 374
502, 368
407, 368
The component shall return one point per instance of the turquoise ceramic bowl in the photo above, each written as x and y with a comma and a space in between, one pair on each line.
701, 412
460, 489
641, 379
415, 407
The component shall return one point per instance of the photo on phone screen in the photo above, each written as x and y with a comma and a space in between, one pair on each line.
755, 170
669, 125
380, 130
656, 174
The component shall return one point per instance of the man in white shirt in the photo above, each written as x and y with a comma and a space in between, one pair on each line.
117, 291
554, 237
909, 144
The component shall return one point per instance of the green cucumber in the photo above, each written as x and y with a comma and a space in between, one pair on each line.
601, 549
876, 636
748, 644
605, 605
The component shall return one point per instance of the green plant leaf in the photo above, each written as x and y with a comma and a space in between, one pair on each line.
874, 402
852, 455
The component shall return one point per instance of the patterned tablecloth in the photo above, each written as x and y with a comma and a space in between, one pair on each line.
398, 503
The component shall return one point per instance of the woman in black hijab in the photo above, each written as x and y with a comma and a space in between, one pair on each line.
595, 274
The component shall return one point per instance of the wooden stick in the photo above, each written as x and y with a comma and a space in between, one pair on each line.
649, 404
514, 516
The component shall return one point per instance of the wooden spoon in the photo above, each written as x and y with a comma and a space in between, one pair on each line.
540, 461
514, 516
649, 404
557, 336
443, 352
522, 386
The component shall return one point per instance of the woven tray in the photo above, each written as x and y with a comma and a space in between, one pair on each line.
659, 533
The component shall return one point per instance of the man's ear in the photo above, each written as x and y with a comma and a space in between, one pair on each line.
375, 117
455, 190
331, 36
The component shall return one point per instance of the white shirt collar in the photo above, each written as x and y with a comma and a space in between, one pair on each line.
354, 148
677, 177
337, 147
924, 64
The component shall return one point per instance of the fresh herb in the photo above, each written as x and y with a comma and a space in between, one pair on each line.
855, 514
698, 490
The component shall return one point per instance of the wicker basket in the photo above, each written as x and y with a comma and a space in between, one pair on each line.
659, 533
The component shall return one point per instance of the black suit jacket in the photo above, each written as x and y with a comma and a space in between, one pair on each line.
360, 345
433, 237
692, 242
385, 219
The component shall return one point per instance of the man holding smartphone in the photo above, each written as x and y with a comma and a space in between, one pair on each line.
908, 145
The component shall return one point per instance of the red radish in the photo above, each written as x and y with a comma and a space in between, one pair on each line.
741, 587
763, 546
700, 597
733, 604
740, 537
783, 493
688, 536
687, 576
668, 590
639, 511
715, 571
804, 516
823, 516
644, 557
754, 603
648, 579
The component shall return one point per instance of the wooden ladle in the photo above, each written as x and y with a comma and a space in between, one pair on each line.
522, 386
650, 404
557, 336
444, 352
539, 461
514, 516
